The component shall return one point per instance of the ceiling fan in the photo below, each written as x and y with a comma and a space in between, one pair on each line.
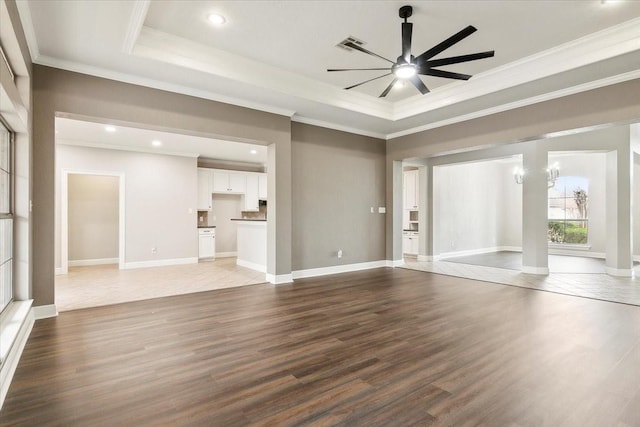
408, 67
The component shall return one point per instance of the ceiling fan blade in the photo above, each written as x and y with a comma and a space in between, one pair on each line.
367, 81
363, 50
356, 69
445, 74
419, 84
458, 59
446, 44
407, 29
388, 89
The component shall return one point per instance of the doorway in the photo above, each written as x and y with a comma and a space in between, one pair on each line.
92, 222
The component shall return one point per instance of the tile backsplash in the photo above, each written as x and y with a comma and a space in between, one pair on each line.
203, 218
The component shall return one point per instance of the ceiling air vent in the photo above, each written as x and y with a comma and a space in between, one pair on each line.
350, 39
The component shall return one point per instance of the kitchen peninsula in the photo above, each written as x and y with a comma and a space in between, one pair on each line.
252, 244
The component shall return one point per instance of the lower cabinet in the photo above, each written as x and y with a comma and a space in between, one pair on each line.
410, 243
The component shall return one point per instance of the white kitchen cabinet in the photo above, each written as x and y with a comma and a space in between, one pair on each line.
410, 243
228, 182
262, 186
252, 192
204, 189
411, 189
206, 243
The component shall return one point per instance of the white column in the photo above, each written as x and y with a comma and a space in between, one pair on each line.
534, 209
619, 260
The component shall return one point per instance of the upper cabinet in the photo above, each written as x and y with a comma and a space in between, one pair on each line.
228, 182
262, 186
251, 195
204, 189
411, 190
252, 185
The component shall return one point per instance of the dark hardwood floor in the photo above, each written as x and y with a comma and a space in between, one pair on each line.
381, 347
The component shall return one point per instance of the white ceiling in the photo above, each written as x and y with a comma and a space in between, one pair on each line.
91, 134
273, 55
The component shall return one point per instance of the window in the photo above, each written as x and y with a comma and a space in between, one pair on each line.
568, 210
6, 218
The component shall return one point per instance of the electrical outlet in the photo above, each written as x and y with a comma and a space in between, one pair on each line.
154, 250
372, 209
382, 209
339, 253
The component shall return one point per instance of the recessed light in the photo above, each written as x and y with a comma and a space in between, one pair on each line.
216, 19
156, 143
253, 152
110, 128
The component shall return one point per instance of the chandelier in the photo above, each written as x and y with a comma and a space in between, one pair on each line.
553, 172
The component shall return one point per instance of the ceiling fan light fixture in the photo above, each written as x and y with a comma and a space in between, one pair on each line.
405, 71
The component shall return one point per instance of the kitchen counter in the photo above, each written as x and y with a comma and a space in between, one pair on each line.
248, 219
206, 226
252, 243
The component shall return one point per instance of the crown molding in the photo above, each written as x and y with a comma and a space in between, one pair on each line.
140, 9
27, 27
157, 84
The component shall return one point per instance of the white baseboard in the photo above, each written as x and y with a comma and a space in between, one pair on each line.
543, 271
279, 278
160, 263
471, 252
394, 263
251, 265
87, 262
577, 252
45, 311
322, 271
619, 272
428, 258
15, 326
226, 254
59, 271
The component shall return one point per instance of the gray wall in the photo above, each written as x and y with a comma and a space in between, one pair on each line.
93, 216
159, 191
337, 177
67, 94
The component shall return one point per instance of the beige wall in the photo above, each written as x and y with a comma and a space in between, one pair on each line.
93, 217
337, 177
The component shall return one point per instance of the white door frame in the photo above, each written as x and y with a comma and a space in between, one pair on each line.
64, 215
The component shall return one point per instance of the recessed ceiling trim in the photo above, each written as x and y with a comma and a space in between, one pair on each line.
522, 103
140, 10
156, 84
161, 46
595, 47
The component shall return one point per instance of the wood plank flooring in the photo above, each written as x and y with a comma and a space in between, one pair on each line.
375, 348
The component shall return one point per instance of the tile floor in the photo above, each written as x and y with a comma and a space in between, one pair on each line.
104, 284
624, 290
